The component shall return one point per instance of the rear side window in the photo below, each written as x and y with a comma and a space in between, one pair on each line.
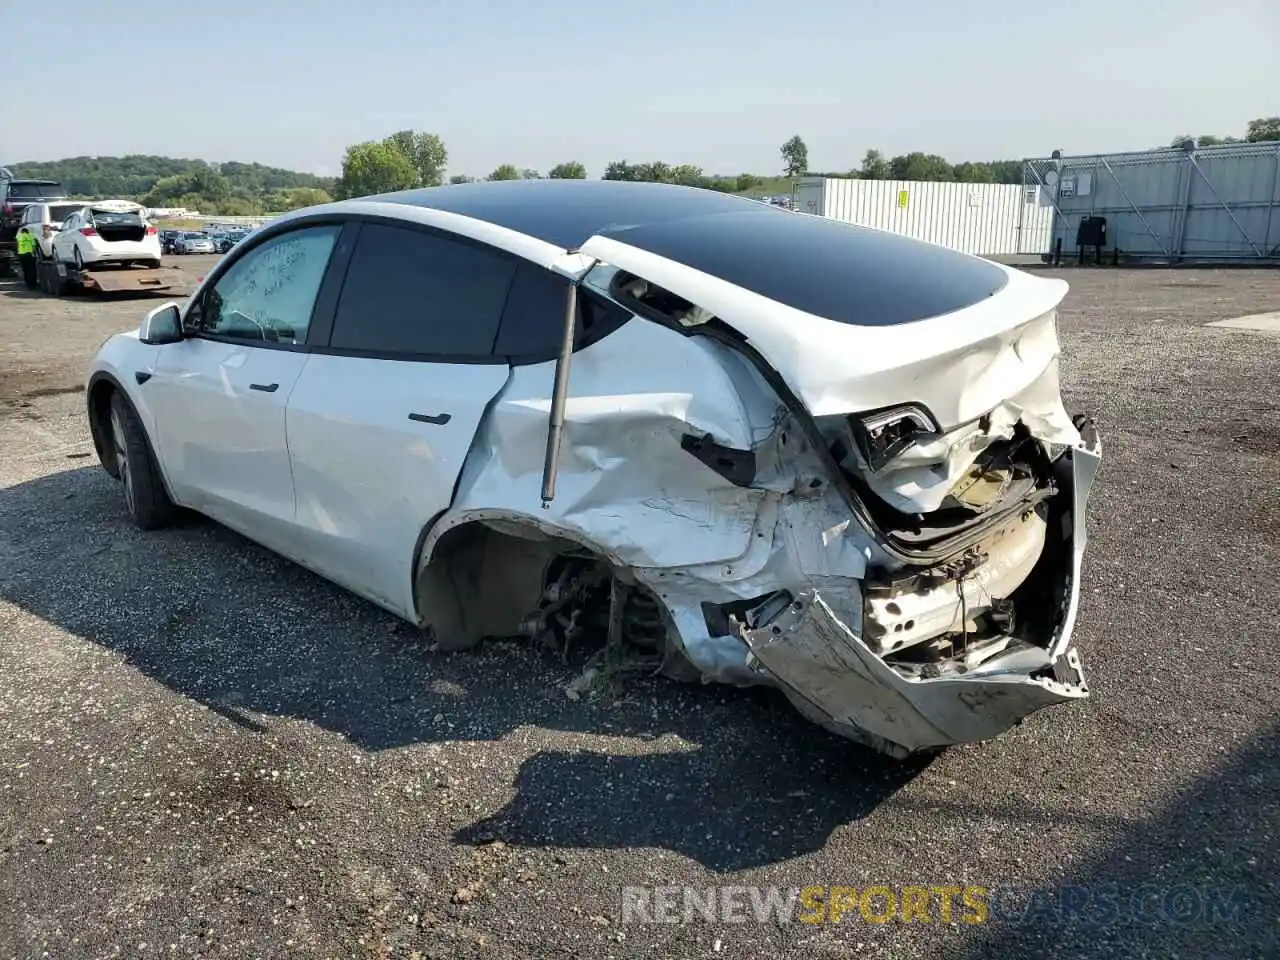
412, 293
533, 323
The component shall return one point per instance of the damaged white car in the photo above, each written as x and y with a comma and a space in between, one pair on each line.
760, 446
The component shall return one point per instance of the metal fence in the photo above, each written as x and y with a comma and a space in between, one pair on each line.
1177, 205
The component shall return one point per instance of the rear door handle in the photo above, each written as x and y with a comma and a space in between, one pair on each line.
439, 419
265, 387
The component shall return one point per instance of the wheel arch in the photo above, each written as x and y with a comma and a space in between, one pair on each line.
458, 589
102, 386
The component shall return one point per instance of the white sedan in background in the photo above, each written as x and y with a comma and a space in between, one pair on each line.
752, 445
110, 231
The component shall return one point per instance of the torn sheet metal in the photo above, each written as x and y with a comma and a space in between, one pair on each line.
832, 674
839, 681
920, 479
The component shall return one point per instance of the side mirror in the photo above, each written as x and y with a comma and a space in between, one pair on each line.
162, 325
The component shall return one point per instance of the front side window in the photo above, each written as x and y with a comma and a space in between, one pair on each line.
410, 293
268, 294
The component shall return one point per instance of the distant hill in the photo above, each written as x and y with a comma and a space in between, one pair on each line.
227, 188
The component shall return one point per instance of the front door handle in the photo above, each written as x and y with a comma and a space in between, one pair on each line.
439, 419
265, 387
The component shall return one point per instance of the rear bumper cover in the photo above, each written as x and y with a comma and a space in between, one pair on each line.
836, 679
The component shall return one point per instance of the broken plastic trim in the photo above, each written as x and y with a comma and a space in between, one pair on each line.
736, 466
555, 422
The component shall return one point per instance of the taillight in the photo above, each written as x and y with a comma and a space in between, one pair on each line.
885, 434
8, 208
151, 231
88, 232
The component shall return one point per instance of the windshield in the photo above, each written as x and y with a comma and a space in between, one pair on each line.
34, 191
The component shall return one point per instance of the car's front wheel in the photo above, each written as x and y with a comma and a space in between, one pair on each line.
145, 498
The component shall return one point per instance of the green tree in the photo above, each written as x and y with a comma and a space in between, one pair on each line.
375, 167
461, 178
1263, 129
1006, 171
530, 174
973, 173
506, 171
279, 201
235, 207
874, 166
425, 151
746, 181
921, 166
572, 170
795, 157
688, 175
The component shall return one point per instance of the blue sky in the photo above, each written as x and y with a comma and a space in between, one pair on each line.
716, 84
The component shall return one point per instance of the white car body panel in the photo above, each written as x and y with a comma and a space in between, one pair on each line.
624, 483
97, 250
329, 470
223, 443
368, 479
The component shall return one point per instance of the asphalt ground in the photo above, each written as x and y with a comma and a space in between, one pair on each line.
207, 751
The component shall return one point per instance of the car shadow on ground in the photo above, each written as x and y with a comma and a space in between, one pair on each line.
252, 636
1198, 878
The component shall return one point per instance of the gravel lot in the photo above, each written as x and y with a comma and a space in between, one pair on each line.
207, 751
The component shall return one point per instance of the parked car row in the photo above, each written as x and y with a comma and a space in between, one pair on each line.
197, 241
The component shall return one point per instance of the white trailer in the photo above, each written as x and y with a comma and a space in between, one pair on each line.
987, 219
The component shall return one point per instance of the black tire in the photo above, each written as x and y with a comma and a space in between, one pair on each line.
145, 498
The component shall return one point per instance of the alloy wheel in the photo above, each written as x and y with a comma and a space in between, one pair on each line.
122, 458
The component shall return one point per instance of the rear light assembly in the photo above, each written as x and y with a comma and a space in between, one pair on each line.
151, 231
886, 433
88, 232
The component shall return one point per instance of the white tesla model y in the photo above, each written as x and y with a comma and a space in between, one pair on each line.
758, 445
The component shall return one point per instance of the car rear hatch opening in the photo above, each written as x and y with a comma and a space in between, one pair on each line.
115, 226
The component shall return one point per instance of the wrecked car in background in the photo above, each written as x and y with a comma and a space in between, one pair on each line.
745, 444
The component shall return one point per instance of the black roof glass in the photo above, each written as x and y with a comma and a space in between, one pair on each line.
825, 267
